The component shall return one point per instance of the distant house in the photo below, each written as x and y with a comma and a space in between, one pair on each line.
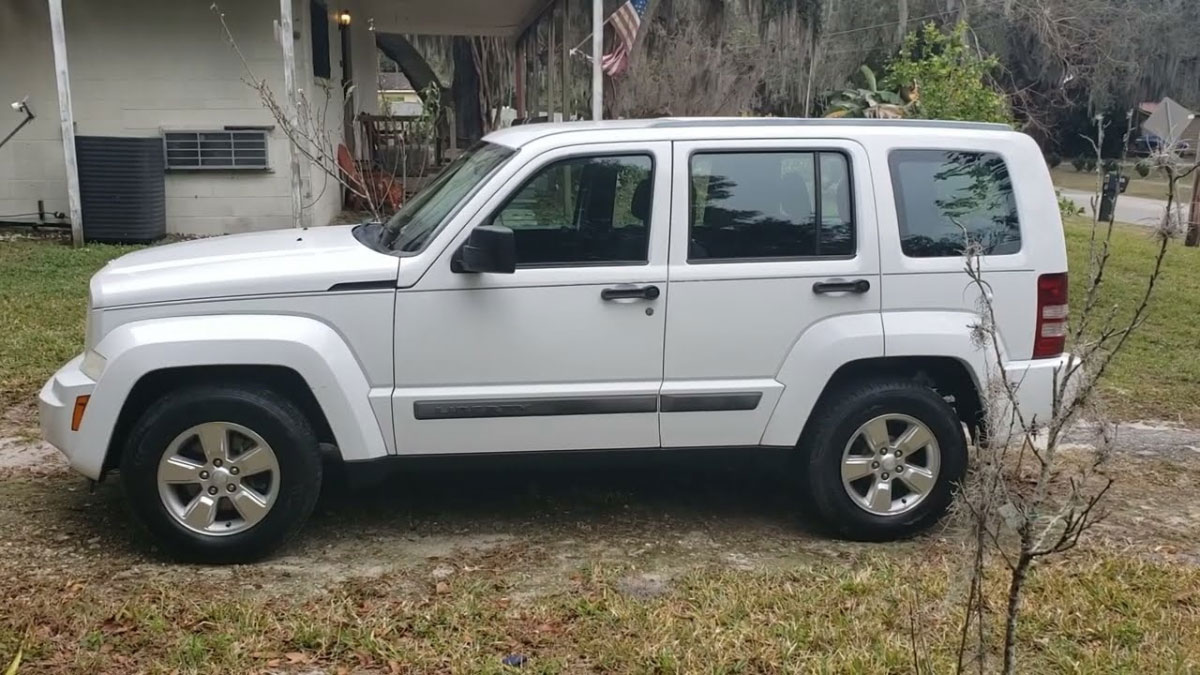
1166, 118
160, 70
397, 96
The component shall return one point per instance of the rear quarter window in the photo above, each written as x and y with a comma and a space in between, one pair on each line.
947, 198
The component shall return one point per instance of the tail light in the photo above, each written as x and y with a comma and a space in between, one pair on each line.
1051, 335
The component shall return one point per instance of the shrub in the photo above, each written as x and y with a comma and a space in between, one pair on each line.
1066, 206
946, 79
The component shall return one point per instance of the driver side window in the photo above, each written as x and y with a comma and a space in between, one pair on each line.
583, 211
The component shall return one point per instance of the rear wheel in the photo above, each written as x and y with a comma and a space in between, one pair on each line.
884, 459
221, 473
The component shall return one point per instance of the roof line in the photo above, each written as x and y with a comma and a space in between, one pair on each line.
825, 122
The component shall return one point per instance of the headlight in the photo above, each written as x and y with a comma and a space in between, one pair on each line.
93, 364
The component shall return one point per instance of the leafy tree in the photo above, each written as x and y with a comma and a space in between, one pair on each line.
946, 79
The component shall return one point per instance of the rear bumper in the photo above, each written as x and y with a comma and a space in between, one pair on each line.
56, 405
1035, 382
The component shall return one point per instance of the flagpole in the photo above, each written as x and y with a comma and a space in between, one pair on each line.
587, 39
597, 46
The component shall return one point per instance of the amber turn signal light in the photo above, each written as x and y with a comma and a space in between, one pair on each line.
77, 416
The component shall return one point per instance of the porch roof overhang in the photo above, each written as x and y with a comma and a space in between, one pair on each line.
505, 18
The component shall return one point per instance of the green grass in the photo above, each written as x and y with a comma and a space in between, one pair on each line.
1153, 187
43, 296
1158, 376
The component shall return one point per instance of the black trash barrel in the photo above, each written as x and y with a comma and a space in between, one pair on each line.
122, 188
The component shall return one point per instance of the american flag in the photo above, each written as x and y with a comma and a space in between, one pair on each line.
625, 21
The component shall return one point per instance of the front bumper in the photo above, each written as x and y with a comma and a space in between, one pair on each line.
56, 405
1035, 383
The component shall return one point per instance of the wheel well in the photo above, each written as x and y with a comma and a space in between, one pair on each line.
282, 380
947, 376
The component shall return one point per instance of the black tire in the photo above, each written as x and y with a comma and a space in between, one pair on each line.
832, 425
273, 417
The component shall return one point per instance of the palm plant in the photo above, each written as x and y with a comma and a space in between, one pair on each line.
868, 101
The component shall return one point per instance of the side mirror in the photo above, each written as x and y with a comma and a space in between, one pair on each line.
489, 248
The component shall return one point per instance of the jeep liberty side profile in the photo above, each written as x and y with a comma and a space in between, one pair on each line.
669, 283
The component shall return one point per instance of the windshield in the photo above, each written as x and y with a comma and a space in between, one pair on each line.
415, 223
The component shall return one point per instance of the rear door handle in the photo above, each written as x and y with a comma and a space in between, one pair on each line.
629, 293
859, 286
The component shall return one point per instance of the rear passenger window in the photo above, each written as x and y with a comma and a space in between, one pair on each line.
945, 199
770, 205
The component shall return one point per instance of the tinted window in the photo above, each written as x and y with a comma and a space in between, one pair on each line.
945, 199
768, 205
415, 223
583, 210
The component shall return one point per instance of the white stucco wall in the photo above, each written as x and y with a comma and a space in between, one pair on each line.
139, 67
31, 164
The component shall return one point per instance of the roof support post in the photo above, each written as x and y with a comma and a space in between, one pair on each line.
597, 47
290, 105
565, 59
66, 115
552, 63
519, 78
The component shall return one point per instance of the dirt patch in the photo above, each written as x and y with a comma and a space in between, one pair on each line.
19, 452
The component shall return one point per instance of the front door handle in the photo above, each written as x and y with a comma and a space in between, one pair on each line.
859, 286
629, 293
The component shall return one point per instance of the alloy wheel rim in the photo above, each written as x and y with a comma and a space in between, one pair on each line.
890, 464
218, 479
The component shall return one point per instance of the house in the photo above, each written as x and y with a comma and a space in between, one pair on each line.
162, 71
397, 96
1166, 122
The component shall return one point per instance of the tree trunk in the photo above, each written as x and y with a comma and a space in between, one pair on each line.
465, 92
1015, 587
901, 20
414, 66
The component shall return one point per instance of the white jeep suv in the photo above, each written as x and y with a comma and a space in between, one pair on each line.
664, 283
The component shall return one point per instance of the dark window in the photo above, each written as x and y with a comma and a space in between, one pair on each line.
584, 210
946, 199
767, 205
320, 39
422, 216
196, 150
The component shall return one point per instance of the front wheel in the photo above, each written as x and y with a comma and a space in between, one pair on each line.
221, 474
884, 459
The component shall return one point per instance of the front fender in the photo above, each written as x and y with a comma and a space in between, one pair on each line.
311, 348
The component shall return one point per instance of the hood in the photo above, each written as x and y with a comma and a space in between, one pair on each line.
256, 263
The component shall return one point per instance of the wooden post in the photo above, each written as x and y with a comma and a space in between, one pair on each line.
290, 104
349, 96
1193, 229
565, 84
535, 79
519, 79
58, 36
551, 62
597, 48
